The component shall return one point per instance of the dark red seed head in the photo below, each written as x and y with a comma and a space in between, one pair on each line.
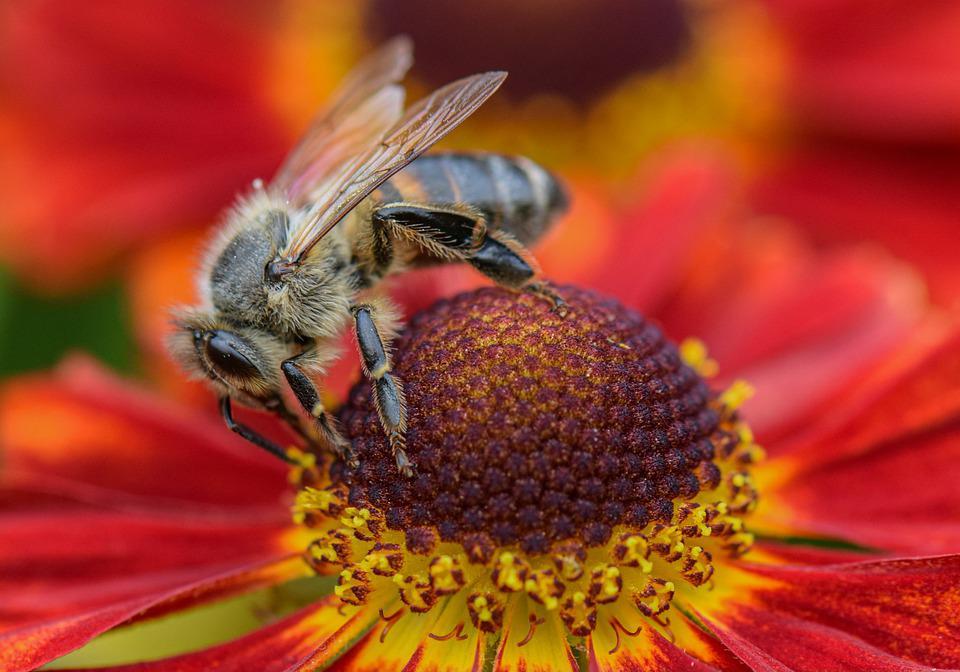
529, 428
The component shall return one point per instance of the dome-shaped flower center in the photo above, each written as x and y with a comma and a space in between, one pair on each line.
529, 428
565, 461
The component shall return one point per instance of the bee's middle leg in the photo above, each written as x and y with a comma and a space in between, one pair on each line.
306, 393
387, 389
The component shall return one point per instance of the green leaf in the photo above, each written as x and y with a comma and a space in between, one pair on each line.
37, 331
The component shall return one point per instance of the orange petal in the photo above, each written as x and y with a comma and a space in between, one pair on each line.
395, 642
634, 647
453, 644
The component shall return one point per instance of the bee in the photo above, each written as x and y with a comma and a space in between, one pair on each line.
297, 260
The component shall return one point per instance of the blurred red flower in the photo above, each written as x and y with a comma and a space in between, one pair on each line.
873, 97
873, 69
124, 121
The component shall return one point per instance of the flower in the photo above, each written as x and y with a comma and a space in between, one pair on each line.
856, 397
871, 146
532, 510
891, 78
856, 404
137, 120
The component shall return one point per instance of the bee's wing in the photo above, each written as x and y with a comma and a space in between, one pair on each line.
425, 123
366, 104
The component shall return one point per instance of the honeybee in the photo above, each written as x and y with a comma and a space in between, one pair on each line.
296, 260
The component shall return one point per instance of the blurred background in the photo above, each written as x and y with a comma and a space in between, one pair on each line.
127, 126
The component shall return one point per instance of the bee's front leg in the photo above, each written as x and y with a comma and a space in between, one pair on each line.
254, 437
306, 393
387, 389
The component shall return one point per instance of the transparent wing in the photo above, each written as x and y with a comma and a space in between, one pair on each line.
368, 102
425, 123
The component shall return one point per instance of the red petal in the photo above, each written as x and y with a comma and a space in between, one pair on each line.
309, 639
796, 554
28, 647
902, 496
794, 645
880, 611
887, 478
686, 192
806, 312
57, 565
84, 433
917, 390
906, 200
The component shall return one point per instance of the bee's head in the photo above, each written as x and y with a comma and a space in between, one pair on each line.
238, 361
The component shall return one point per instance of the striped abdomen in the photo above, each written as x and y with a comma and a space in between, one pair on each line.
512, 193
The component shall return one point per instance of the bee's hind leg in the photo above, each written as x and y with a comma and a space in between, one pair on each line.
458, 233
306, 393
387, 389
507, 262
541, 288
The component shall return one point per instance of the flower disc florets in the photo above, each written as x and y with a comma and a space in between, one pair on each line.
533, 428
571, 462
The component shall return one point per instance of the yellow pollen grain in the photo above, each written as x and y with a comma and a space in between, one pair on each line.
355, 518
610, 586
376, 560
312, 500
735, 395
302, 461
325, 552
442, 574
693, 352
481, 606
509, 575
637, 552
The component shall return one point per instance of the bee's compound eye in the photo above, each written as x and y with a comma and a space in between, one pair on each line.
224, 351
